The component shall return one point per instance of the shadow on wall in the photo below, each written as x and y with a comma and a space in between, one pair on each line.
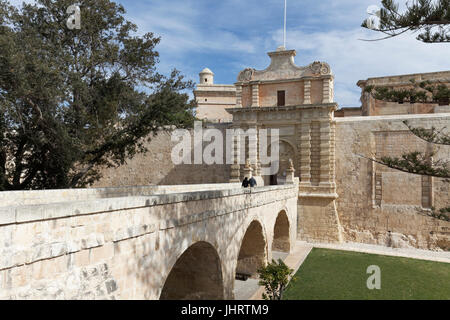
184, 262
197, 174
156, 167
192, 280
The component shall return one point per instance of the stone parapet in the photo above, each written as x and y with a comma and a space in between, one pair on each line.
125, 248
20, 198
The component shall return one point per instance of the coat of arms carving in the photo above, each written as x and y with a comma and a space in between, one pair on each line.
319, 68
246, 75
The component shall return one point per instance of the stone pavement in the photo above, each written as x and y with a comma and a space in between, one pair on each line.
244, 290
293, 260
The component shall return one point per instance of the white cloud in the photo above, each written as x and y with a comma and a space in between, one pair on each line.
242, 32
352, 59
326, 30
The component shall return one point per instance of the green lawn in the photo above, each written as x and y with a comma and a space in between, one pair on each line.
333, 275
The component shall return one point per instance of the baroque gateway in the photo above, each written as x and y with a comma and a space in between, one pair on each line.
191, 228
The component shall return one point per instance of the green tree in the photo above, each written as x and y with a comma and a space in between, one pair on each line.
430, 18
274, 278
74, 100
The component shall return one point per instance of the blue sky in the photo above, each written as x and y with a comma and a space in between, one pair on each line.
230, 35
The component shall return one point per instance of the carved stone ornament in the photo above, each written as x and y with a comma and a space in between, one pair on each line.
246, 75
291, 164
318, 68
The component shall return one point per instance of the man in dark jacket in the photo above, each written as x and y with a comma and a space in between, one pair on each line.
245, 183
252, 182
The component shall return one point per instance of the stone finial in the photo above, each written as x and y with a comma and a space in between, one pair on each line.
291, 165
248, 170
290, 173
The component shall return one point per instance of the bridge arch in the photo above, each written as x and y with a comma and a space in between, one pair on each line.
196, 275
253, 250
281, 233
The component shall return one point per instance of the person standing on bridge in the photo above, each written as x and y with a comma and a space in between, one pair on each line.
245, 183
252, 182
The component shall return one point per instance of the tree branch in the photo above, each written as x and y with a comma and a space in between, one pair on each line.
407, 166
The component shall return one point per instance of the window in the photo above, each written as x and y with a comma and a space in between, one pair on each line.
206, 80
281, 101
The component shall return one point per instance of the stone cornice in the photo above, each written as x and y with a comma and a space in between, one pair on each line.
318, 195
285, 108
310, 78
212, 104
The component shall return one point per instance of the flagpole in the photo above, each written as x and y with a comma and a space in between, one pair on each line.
284, 34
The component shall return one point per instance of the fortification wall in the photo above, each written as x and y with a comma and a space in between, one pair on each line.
157, 168
378, 205
374, 107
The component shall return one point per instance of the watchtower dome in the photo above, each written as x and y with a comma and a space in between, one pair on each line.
206, 77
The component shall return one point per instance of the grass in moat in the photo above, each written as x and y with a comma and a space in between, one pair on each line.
336, 275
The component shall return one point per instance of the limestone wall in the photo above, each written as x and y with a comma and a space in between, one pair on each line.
214, 112
380, 108
348, 112
125, 248
156, 167
268, 93
383, 206
374, 107
212, 100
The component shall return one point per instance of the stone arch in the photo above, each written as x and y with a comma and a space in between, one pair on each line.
281, 235
287, 151
196, 275
252, 252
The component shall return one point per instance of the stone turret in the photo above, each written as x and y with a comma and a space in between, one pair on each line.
206, 77
212, 99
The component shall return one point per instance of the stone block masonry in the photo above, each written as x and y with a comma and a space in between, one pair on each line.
156, 167
378, 205
122, 243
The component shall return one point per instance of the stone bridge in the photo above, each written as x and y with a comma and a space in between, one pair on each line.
154, 242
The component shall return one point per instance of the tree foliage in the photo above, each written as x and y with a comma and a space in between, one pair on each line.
72, 101
274, 278
418, 163
429, 18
